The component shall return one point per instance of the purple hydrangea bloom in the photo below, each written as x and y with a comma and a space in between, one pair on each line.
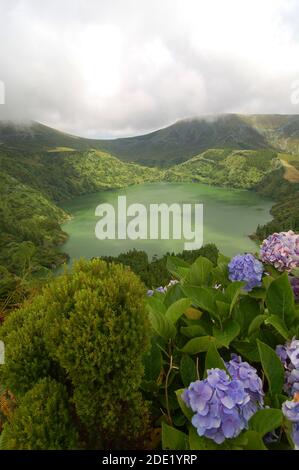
218, 403
248, 269
290, 410
161, 289
289, 356
281, 250
295, 286
295, 435
252, 383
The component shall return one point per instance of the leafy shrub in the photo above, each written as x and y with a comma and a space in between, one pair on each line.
88, 330
206, 325
41, 421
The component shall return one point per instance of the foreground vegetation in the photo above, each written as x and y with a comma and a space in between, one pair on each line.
92, 362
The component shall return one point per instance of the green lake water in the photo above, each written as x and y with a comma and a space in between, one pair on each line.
230, 215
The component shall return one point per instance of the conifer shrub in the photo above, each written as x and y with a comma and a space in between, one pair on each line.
88, 330
41, 421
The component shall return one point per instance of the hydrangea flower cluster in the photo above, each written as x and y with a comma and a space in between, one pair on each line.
246, 268
290, 410
289, 356
281, 250
162, 289
252, 383
222, 405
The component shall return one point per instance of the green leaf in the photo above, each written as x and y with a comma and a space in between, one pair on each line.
187, 411
248, 350
152, 361
161, 325
233, 292
254, 441
247, 309
197, 442
193, 331
200, 272
177, 267
197, 345
177, 309
173, 439
267, 420
203, 298
279, 325
272, 368
256, 323
187, 370
223, 309
280, 298
173, 294
267, 281
213, 359
230, 330
156, 303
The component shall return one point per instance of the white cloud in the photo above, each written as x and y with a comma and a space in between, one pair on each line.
120, 67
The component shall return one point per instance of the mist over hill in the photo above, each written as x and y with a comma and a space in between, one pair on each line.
171, 145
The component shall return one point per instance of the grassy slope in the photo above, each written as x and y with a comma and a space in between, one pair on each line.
237, 168
43, 166
30, 186
173, 144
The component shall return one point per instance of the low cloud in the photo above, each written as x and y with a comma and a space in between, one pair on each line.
115, 68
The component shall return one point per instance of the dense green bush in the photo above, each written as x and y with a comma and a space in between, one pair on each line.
88, 331
201, 323
41, 421
155, 273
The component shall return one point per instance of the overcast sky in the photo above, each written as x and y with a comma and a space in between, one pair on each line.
107, 68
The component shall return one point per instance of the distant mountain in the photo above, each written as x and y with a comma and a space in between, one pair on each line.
171, 145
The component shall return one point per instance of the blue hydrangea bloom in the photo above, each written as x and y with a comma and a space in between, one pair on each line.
289, 356
248, 269
219, 403
290, 410
252, 383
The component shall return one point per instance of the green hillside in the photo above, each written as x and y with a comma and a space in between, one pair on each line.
41, 167
171, 145
31, 185
236, 169
63, 174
